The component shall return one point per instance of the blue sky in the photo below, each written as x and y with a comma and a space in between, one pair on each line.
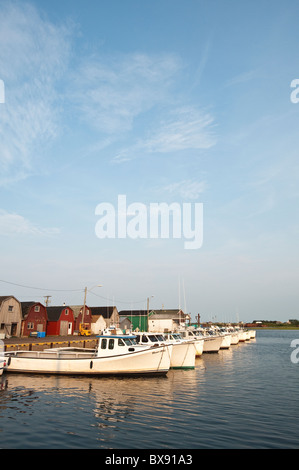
161, 101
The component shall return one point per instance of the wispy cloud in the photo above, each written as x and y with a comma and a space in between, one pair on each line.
184, 128
243, 77
111, 92
33, 55
15, 224
48, 86
187, 189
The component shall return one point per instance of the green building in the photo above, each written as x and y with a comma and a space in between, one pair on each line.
139, 318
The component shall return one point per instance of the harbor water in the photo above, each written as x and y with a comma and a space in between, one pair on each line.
243, 397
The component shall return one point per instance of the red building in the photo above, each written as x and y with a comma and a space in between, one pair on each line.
80, 318
34, 318
61, 321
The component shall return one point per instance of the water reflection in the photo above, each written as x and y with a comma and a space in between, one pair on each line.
102, 404
235, 398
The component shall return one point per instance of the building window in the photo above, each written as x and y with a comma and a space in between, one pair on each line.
30, 326
66, 311
36, 308
10, 308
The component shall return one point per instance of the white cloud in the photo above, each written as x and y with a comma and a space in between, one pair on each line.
187, 189
111, 93
186, 128
242, 78
33, 55
15, 224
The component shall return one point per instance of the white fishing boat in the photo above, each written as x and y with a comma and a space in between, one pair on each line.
252, 334
2, 365
115, 355
242, 334
189, 334
227, 337
234, 335
182, 352
212, 343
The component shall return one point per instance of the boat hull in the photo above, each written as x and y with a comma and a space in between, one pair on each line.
183, 355
212, 345
234, 338
199, 344
152, 361
226, 342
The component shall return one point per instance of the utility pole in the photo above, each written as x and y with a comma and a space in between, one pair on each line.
47, 301
83, 313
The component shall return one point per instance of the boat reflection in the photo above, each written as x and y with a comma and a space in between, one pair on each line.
107, 401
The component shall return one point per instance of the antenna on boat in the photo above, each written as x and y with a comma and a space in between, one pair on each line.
179, 293
184, 296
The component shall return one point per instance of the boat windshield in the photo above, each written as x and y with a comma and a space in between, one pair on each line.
176, 337
198, 333
153, 338
160, 337
126, 341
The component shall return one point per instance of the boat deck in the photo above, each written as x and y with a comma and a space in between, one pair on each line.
55, 354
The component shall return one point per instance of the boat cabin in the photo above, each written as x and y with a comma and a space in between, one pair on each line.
115, 345
149, 338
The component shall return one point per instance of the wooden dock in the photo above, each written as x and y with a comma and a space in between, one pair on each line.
39, 344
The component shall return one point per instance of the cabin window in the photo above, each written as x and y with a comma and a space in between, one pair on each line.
120, 342
144, 339
111, 344
153, 338
130, 341
104, 343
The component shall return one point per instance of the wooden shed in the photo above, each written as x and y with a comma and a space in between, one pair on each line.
34, 318
98, 324
10, 316
167, 320
138, 318
110, 315
125, 324
61, 321
80, 318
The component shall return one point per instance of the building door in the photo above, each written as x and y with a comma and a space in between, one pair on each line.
70, 329
14, 327
63, 328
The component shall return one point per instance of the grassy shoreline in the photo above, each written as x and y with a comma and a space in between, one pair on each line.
282, 327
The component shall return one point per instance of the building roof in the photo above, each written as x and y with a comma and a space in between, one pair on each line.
133, 313
106, 312
78, 308
25, 306
174, 314
55, 312
95, 318
4, 297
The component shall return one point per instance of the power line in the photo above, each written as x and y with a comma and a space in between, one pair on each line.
73, 290
41, 288
115, 300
